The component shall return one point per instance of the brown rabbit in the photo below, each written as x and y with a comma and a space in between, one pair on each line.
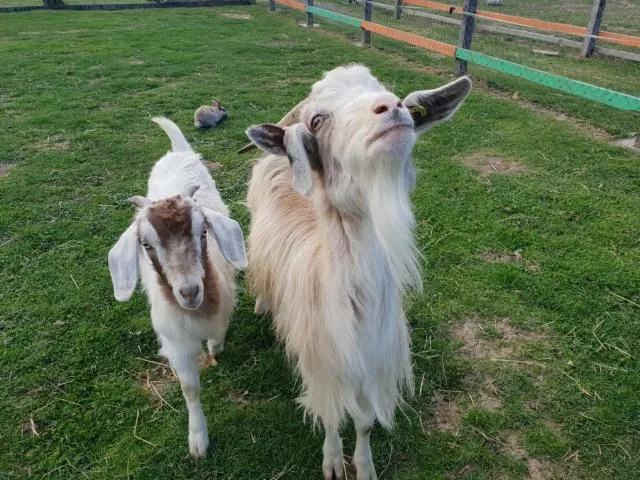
208, 116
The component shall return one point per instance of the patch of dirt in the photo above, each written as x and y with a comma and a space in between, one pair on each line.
510, 257
492, 257
448, 413
55, 143
29, 428
135, 61
5, 167
156, 380
484, 392
632, 143
505, 342
280, 43
538, 469
488, 163
237, 16
239, 397
212, 165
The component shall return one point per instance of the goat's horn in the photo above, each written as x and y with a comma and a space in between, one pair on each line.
293, 116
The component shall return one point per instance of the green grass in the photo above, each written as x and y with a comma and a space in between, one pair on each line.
77, 90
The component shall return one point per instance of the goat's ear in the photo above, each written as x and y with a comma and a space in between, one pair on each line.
123, 264
429, 107
229, 237
267, 137
297, 143
302, 150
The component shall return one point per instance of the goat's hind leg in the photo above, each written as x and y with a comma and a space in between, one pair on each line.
183, 361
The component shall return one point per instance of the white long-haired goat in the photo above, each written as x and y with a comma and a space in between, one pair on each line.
185, 249
331, 248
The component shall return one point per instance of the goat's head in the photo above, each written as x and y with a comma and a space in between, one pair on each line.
172, 235
351, 127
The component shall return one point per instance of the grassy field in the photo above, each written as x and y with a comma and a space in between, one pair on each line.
525, 338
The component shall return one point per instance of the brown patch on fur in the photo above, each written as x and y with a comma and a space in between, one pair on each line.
5, 167
171, 218
479, 345
211, 299
486, 164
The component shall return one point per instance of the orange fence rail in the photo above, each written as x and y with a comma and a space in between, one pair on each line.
410, 38
610, 37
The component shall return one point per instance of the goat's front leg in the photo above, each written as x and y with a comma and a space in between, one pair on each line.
186, 368
332, 463
362, 457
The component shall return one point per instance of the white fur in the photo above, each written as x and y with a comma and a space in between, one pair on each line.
180, 331
332, 260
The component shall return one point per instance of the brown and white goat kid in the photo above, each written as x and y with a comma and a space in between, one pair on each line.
331, 246
185, 249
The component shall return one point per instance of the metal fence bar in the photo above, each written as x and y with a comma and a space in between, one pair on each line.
594, 27
398, 9
309, 15
366, 34
466, 33
272, 5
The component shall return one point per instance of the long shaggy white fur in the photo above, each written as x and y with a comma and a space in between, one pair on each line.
333, 264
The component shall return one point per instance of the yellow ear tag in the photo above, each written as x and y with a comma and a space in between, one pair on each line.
419, 111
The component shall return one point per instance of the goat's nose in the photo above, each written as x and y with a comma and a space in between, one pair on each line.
386, 105
190, 292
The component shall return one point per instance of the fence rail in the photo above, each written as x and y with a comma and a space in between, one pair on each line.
534, 23
588, 91
129, 6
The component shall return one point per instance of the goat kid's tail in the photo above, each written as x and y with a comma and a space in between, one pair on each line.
178, 142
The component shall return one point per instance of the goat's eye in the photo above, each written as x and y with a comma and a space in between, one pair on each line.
316, 122
146, 245
418, 112
203, 235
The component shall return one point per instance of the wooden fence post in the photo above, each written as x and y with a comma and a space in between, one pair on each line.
594, 27
366, 36
310, 15
398, 9
272, 5
466, 33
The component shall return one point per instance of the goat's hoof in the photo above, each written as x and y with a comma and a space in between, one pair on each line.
333, 469
261, 307
365, 469
198, 443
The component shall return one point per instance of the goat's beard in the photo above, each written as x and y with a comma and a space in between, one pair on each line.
388, 197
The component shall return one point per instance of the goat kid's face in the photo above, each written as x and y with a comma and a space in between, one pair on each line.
351, 126
172, 235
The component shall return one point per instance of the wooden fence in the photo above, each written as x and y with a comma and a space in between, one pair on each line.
464, 55
129, 6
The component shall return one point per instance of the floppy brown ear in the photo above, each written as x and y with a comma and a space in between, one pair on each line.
429, 107
296, 142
